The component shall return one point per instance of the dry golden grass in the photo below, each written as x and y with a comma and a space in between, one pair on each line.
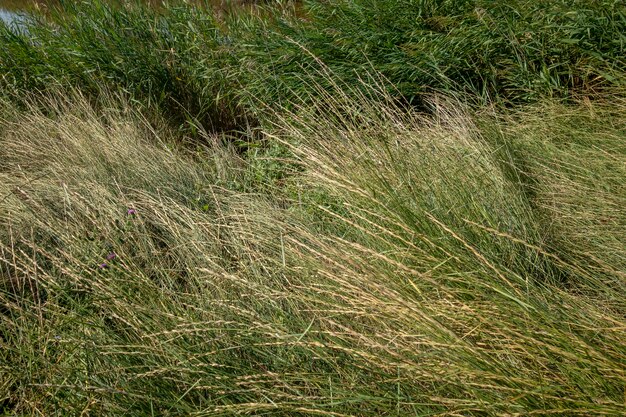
409, 266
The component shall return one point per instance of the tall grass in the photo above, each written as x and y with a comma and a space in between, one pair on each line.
516, 51
172, 60
211, 70
380, 247
407, 266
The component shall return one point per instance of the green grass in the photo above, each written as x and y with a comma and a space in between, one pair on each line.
171, 65
212, 70
360, 208
515, 51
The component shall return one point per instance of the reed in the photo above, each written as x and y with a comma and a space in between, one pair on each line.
208, 70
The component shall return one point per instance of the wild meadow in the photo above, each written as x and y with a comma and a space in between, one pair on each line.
338, 208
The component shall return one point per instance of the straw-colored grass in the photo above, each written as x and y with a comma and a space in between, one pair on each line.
452, 265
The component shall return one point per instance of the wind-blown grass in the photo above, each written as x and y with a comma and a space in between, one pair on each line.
366, 247
203, 70
516, 51
172, 63
408, 266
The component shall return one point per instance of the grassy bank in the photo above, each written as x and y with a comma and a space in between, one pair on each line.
466, 264
213, 70
278, 212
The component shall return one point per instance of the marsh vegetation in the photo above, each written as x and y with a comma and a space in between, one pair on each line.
342, 208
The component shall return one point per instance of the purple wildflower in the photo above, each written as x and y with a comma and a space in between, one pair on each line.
103, 265
131, 211
111, 256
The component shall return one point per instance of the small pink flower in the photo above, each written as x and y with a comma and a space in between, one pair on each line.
131, 211
111, 256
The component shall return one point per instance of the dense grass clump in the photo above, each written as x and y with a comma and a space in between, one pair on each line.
213, 70
514, 50
171, 60
408, 266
